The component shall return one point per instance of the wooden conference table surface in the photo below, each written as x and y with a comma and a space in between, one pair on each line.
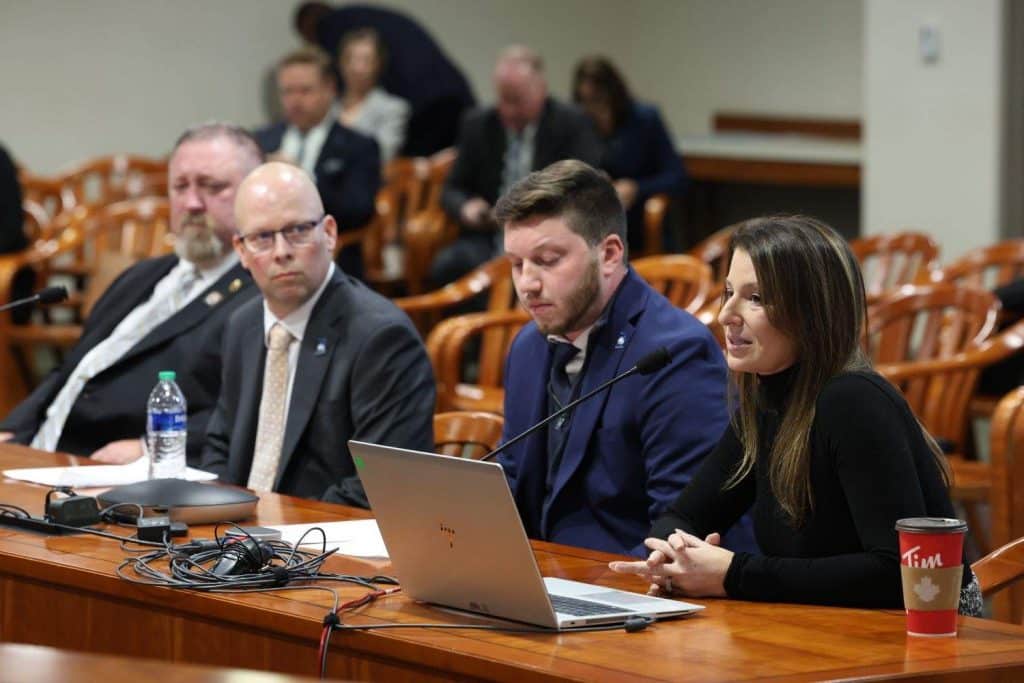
62, 591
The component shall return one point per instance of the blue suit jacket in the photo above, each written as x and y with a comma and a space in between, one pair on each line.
631, 449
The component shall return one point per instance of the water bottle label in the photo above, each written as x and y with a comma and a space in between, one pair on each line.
167, 422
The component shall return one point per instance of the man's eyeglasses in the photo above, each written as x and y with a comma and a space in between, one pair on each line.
296, 234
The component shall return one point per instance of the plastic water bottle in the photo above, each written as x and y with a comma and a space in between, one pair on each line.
166, 428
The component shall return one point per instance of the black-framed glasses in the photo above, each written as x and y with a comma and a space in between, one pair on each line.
296, 234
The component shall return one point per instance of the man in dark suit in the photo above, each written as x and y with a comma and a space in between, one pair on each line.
600, 476
526, 130
418, 70
319, 360
165, 313
346, 164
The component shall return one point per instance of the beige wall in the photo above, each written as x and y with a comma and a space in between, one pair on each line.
933, 135
87, 78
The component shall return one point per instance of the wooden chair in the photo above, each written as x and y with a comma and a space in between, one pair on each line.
929, 321
429, 230
1006, 460
467, 434
655, 209
448, 345
986, 267
494, 277
102, 242
939, 392
714, 251
683, 279
109, 179
889, 261
1000, 569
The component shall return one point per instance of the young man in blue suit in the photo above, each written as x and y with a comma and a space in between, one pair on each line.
600, 476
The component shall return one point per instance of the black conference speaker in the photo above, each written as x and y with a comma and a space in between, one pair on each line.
185, 501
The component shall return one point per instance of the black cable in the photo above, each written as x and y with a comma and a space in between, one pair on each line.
6, 508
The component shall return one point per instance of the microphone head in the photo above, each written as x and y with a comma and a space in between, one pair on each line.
653, 361
244, 556
52, 295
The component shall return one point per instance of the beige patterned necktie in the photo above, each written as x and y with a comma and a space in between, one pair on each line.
270, 432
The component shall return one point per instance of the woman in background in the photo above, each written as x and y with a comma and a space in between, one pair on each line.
639, 155
824, 451
365, 107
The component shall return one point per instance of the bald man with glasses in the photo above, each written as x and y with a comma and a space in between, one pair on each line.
317, 360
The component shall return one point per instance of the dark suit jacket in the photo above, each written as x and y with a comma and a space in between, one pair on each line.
347, 172
630, 450
362, 374
12, 236
418, 71
112, 405
563, 132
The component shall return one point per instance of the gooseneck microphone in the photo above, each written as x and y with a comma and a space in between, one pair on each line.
647, 365
50, 295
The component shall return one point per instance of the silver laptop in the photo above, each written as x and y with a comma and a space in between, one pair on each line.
455, 538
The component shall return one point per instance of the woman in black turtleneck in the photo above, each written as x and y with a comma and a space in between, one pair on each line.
825, 452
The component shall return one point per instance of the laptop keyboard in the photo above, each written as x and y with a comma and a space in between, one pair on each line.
582, 608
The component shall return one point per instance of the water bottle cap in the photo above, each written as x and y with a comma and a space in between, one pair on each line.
166, 375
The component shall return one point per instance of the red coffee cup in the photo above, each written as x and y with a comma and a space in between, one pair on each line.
931, 565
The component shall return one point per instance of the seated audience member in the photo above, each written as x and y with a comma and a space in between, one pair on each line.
639, 154
345, 164
825, 450
365, 107
12, 234
599, 477
524, 131
318, 360
417, 70
165, 313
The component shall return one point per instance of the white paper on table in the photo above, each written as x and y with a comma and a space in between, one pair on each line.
357, 537
93, 476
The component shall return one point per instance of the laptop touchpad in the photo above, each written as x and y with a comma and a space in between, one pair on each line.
620, 598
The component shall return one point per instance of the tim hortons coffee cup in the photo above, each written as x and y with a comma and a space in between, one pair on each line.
931, 564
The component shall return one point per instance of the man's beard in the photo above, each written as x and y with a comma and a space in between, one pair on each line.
197, 240
579, 304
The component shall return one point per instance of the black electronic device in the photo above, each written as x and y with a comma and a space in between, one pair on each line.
72, 510
185, 501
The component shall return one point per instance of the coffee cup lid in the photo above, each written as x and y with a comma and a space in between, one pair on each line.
930, 525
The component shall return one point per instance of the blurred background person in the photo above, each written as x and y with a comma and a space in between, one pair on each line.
417, 69
365, 107
344, 163
12, 234
639, 154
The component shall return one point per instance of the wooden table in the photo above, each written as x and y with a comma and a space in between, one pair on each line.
63, 592
772, 159
37, 664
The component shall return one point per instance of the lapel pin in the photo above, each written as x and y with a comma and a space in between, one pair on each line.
213, 298
321, 347
620, 342
235, 285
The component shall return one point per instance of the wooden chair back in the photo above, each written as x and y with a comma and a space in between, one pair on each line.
448, 346
655, 209
930, 321
684, 280
714, 251
493, 277
440, 165
109, 179
889, 261
467, 434
1006, 516
986, 267
1001, 569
